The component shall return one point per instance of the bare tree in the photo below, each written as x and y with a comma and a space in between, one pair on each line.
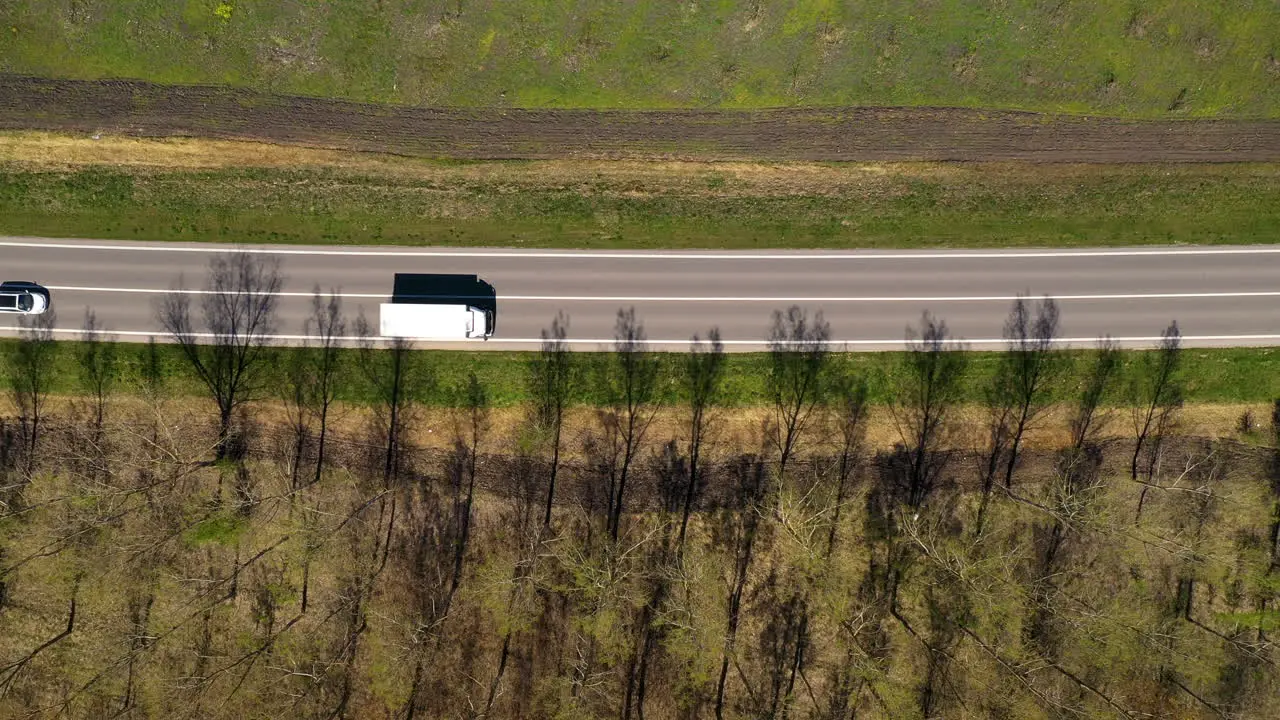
925, 391
392, 376
850, 418
395, 376
1156, 393
1036, 368
468, 442
550, 382
96, 357
238, 309
704, 373
630, 377
1086, 424
632, 383
1079, 465
329, 326
796, 384
929, 385
678, 487
741, 528
672, 472
1275, 486
310, 384
32, 371
526, 536
152, 372
797, 356
10, 671
783, 642
294, 388
1075, 486
140, 599
430, 545
96, 363
1019, 390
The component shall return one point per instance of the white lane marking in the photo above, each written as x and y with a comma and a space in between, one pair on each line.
607, 255
1087, 341
622, 298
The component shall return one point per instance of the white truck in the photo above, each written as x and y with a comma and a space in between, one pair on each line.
433, 322
439, 307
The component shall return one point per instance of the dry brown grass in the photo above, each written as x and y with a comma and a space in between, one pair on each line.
621, 178
737, 428
628, 178
57, 149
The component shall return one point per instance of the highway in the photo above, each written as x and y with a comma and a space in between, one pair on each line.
1220, 295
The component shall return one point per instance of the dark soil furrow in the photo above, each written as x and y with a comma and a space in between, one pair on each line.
832, 134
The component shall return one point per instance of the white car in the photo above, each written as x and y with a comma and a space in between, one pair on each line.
24, 298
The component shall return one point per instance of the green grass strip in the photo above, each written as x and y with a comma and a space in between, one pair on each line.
1219, 375
904, 206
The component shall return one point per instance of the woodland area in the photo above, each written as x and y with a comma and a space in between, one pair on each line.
260, 556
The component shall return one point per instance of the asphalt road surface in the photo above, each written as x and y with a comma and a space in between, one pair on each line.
1220, 296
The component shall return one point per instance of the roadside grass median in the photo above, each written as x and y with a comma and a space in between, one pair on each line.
1212, 375
216, 191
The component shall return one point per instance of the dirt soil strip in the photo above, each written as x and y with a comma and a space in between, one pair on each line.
836, 134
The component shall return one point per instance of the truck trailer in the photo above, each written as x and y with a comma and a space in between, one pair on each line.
434, 322
439, 307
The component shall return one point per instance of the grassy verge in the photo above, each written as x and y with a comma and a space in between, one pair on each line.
1113, 57
1231, 375
223, 192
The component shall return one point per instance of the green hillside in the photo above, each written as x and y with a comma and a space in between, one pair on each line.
1145, 58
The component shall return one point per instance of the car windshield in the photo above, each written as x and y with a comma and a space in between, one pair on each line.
24, 302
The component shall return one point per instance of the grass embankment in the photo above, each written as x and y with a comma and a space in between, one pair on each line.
1218, 375
1145, 59
224, 191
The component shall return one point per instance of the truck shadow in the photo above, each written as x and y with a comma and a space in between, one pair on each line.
445, 290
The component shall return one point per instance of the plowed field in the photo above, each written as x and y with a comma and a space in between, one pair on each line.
853, 134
